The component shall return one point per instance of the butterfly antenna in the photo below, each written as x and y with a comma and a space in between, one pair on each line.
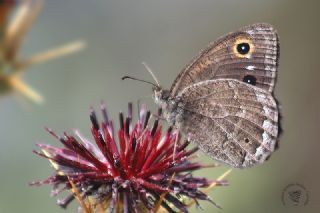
151, 73
137, 79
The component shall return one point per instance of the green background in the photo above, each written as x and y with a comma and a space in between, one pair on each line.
166, 34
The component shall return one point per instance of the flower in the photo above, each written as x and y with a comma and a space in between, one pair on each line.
141, 172
11, 36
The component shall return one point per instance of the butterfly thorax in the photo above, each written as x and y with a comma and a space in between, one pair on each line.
169, 105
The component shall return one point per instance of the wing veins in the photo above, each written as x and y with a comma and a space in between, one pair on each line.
228, 98
236, 141
234, 124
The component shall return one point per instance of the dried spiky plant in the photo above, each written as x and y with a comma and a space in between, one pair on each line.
12, 33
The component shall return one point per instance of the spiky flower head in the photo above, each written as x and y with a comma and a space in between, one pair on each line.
145, 170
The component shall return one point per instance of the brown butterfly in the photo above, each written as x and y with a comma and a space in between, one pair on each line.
223, 100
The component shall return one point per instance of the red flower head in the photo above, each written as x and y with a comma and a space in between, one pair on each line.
141, 172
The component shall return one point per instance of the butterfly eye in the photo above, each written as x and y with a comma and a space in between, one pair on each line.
246, 140
243, 48
250, 79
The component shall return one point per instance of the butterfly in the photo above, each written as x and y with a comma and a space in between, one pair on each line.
223, 99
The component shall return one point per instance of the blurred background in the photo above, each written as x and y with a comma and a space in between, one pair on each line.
166, 34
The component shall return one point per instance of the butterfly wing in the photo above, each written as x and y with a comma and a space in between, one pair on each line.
233, 122
250, 54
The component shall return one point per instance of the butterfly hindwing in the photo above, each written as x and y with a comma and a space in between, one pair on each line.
232, 121
249, 55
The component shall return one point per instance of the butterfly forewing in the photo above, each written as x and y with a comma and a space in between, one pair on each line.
249, 55
232, 121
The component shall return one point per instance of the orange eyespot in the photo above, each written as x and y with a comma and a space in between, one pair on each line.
243, 47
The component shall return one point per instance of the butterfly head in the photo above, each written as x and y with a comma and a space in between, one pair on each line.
167, 103
160, 95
